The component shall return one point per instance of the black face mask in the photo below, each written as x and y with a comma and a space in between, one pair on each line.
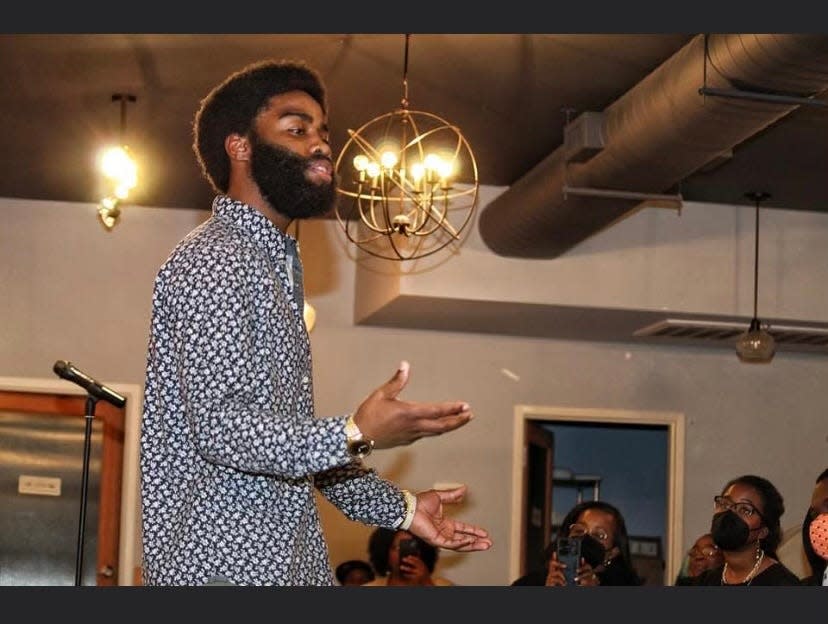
729, 531
592, 551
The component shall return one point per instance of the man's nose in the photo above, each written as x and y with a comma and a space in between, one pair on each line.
321, 148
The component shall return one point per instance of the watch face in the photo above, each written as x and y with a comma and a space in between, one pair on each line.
359, 448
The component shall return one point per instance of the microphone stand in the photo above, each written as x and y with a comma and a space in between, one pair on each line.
91, 402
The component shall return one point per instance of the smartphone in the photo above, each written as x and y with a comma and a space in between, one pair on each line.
569, 553
409, 547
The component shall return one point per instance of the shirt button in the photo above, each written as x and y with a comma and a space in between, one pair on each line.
305, 379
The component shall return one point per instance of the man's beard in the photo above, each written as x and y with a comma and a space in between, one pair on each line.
282, 179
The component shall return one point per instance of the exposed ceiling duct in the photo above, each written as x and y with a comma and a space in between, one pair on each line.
654, 136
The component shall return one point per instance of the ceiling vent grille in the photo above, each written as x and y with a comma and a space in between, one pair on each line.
789, 337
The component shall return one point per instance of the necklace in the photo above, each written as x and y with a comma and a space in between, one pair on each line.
749, 578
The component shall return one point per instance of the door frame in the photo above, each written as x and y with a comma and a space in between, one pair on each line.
674, 421
129, 541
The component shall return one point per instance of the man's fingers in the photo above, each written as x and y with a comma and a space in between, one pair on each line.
439, 426
466, 543
395, 385
470, 530
435, 418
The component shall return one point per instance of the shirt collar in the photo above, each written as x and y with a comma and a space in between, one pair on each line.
253, 223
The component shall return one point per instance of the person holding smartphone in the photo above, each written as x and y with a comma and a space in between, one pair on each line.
599, 530
402, 559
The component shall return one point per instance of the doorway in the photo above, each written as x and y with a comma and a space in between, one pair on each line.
536, 470
42, 422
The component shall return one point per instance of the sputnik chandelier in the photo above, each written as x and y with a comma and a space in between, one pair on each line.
408, 183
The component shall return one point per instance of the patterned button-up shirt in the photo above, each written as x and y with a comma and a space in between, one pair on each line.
231, 448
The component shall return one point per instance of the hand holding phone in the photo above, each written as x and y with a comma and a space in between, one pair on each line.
569, 553
409, 547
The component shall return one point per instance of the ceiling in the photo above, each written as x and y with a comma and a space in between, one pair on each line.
507, 92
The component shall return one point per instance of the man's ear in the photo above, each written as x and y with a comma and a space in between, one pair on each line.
237, 147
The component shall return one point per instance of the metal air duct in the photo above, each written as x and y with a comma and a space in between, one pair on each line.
657, 134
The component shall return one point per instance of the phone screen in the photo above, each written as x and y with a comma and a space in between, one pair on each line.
569, 553
409, 547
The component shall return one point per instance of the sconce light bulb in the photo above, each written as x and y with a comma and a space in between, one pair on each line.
109, 202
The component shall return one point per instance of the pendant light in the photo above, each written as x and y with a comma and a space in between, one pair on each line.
756, 345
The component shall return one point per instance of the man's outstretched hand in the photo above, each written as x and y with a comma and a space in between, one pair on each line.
389, 421
430, 524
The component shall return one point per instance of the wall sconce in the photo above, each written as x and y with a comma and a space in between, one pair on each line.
119, 171
402, 183
756, 345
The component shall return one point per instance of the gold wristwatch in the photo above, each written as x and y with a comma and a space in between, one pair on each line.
358, 445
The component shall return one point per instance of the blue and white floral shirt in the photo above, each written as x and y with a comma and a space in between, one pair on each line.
231, 448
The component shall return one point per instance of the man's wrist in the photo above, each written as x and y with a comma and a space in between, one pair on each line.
357, 444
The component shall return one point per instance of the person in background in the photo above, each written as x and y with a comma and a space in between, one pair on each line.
815, 533
396, 566
704, 555
605, 549
354, 572
232, 449
746, 527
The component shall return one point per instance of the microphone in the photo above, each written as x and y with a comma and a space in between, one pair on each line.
98, 390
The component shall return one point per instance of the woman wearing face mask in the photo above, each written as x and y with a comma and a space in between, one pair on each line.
815, 533
605, 550
746, 528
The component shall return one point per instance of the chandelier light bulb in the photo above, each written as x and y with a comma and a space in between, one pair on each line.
445, 168
372, 169
389, 159
417, 171
361, 162
433, 162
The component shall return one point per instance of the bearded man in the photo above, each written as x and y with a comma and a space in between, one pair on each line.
231, 447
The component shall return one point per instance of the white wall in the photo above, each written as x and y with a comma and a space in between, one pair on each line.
73, 291
697, 261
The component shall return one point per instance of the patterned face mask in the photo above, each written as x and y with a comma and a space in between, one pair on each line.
818, 532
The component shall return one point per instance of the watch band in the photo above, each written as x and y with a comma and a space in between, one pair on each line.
410, 508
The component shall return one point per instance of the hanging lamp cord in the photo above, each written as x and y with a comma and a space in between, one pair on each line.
756, 265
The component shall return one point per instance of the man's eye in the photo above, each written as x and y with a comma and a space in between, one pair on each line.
298, 131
